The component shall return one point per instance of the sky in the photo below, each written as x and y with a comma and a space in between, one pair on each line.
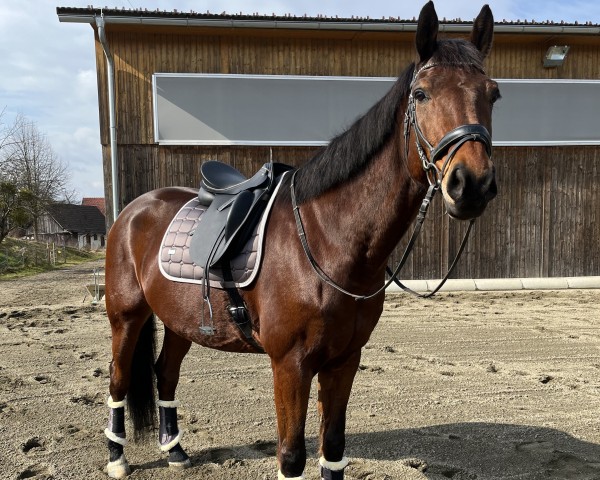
48, 70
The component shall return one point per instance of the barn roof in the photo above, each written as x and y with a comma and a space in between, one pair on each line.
97, 202
78, 218
241, 20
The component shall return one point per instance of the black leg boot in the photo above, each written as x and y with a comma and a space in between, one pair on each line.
115, 432
170, 436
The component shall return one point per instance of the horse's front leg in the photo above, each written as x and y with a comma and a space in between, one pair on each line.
335, 384
167, 370
292, 389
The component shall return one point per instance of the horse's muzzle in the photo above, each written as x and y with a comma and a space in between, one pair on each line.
467, 195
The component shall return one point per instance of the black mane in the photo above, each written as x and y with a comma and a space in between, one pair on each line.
347, 154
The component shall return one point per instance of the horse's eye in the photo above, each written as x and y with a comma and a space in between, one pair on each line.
495, 96
419, 95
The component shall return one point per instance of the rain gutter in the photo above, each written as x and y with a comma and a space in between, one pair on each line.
322, 25
110, 64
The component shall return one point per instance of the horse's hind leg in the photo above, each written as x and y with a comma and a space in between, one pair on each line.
167, 370
335, 384
131, 376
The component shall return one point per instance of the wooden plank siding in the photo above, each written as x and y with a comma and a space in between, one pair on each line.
544, 221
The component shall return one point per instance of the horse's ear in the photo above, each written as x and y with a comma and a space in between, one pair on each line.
427, 31
483, 31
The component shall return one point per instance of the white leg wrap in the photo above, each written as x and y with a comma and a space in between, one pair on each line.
112, 404
114, 437
334, 466
119, 468
280, 476
168, 403
168, 446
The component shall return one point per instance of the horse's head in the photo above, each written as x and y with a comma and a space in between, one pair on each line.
449, 114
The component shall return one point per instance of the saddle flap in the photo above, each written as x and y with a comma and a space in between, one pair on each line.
238, 212
222, 225
209, 232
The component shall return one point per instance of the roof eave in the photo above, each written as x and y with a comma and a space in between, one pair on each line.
320, 25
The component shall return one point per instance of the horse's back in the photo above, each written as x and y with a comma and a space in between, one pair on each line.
146, 214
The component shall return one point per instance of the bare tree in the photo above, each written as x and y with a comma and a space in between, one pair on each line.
28, 162
12, 199
6, 133
13, 211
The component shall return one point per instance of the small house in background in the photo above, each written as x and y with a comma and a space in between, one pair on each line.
78, 226
95, 202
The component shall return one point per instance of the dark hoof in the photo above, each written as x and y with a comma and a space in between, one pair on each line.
178, 458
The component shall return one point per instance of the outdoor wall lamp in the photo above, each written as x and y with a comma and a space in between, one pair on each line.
555, 56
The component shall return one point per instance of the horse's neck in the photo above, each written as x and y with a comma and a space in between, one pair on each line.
363, 219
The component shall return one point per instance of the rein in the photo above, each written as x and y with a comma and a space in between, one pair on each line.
451, 142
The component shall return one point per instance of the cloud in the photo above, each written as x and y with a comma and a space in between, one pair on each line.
49, 75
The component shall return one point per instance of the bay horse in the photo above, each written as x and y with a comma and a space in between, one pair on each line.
356, 199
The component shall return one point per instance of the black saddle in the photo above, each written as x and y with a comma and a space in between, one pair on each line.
234, 207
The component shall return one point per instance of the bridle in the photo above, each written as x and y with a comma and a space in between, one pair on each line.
450, 143
455, 138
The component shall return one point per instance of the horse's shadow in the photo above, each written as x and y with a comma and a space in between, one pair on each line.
459, 450
484, 451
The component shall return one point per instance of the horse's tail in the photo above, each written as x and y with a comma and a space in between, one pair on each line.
141, 403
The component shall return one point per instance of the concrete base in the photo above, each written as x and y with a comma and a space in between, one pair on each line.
496, 284
91, 288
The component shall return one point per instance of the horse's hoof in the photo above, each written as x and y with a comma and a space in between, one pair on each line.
119, 468
181, 465
178, 458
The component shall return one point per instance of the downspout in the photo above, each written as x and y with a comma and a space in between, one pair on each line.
110, 64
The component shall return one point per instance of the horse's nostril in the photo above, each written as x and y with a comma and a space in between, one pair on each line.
492, 190
462, 185
457, 182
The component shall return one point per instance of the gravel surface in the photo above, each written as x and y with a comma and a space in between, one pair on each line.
479, 385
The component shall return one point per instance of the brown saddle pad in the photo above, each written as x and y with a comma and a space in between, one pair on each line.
174, 258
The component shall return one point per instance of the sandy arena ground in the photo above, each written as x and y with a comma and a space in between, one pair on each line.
484, 385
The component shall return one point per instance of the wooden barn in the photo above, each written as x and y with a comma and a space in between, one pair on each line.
168, 83
77, 226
